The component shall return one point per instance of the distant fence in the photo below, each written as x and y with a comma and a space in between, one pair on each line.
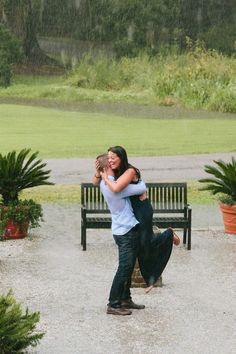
70, 51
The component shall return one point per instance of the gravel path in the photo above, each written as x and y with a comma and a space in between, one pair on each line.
194, 312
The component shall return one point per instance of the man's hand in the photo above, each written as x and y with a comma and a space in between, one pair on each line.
104, 175
97, 167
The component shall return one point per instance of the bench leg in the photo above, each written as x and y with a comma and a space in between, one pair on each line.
189, 239
83, 237
189, 228
184, 236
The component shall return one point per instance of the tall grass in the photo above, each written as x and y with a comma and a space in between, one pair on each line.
198, 79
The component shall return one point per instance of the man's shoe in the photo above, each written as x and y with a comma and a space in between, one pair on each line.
121, 311
129, 304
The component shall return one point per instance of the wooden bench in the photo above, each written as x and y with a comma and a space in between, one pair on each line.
169, 202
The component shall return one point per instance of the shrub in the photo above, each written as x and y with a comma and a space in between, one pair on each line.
222, 180
21, 211
5, 72
223, 100
199, 78
9, 54
221, 37
17, 330
19, 171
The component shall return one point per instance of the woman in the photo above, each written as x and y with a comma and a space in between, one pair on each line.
155, 249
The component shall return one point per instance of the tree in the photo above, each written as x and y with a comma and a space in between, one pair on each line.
22, 17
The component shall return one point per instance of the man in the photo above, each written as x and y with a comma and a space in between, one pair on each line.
126, 236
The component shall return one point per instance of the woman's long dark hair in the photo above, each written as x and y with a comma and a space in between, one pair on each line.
124, 165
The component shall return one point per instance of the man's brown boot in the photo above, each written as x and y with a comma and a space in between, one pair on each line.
129, 304
120, 311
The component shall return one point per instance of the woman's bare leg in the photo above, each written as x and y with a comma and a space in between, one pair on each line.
176, 239
148, 289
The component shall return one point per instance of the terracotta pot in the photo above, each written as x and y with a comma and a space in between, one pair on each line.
14, 230
229, 217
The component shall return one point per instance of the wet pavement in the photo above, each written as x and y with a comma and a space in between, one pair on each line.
153, 169
194, 311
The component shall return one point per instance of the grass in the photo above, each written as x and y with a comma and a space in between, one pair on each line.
64, 134
198, 79
71, 194
60, 193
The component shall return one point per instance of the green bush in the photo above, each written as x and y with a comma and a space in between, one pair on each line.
221, 38
99, 73
223, 100
222, 180
17, 329
5, 71
108, 74
200, 78
10, 53
125, 48
19, 171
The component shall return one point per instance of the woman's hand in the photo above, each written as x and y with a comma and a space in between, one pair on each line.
143, 196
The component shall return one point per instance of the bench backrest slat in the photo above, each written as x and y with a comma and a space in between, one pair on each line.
165, 197
92, 198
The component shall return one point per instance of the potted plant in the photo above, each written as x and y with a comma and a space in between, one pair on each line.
223, 182
19, 171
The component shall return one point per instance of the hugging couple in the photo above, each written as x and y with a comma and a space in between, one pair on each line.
131, 213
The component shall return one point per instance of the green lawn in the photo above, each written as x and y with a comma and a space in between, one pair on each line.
70, 193
57, 133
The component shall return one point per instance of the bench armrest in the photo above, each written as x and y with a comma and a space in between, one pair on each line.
188, 211
83, 212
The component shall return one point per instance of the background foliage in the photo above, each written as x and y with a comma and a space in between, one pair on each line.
199, 79
129, 24
9, 53
146, 23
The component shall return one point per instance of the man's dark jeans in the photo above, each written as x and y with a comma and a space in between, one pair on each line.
128, 248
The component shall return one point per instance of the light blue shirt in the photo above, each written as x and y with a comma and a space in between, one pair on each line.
123, 219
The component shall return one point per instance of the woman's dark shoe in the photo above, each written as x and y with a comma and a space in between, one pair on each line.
129, 304
120, 311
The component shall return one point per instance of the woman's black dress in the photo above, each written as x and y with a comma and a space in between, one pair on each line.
155, 248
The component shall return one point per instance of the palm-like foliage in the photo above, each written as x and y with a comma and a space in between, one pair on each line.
17, 327
223, 180
21, 171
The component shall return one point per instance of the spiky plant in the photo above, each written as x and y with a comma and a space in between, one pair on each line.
17, 330
223, 180
19, 171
